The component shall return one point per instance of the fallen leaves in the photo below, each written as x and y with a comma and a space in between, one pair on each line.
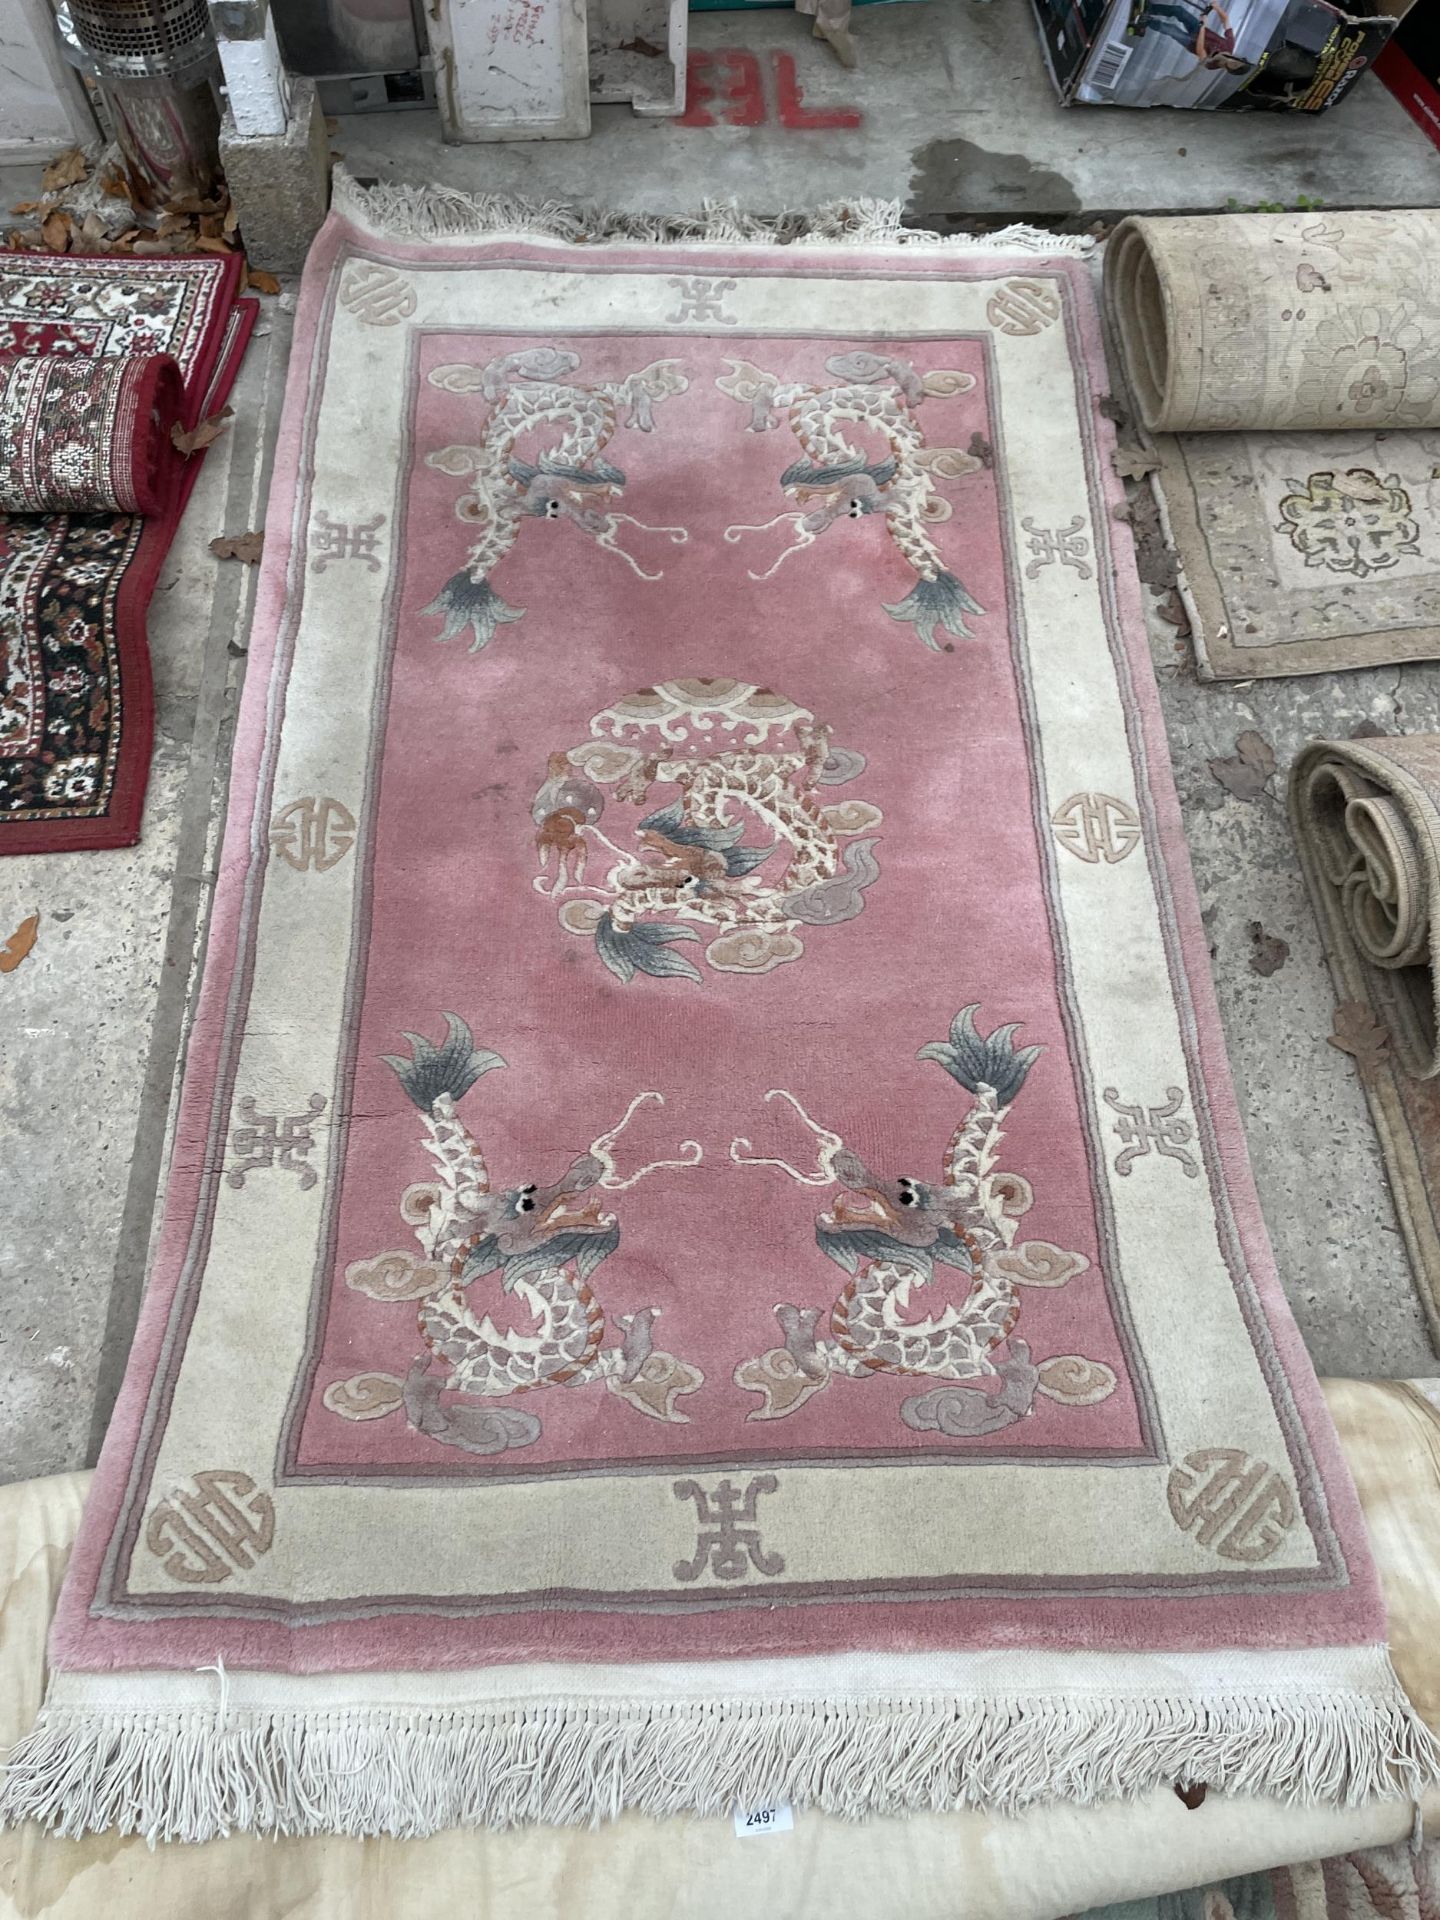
120, 217
188, 440
19, 944
1360, 1034
239, 546
1191, 1793
67, 169
1268, 952
1154, 557
1247, 773
1133, 463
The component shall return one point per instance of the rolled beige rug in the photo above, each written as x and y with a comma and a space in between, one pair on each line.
1366, 815
1268, 322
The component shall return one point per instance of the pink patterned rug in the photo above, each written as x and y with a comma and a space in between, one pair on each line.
709, 1256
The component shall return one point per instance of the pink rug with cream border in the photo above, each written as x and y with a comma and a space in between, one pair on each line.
709, 1256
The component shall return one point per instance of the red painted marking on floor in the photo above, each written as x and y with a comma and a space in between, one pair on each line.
790, 102
733, 79
739, 89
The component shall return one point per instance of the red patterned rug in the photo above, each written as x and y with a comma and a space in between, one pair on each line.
76, 708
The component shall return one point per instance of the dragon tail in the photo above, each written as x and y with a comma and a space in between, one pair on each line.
467, 603
647, 947
982, 1060
939, 602
452, 1068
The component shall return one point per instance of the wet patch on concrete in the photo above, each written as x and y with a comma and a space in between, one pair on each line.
951, 176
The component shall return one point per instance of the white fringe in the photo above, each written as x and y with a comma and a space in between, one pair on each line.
446, 213
194, 1773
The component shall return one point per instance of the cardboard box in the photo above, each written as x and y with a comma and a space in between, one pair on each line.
1410, 68
1288, 56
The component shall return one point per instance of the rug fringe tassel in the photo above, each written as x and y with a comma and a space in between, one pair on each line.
194, 1773
446, 213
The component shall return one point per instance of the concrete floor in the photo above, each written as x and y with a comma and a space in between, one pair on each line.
957, 121
957, 117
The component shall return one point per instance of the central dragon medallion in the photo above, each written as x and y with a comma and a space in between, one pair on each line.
715, 817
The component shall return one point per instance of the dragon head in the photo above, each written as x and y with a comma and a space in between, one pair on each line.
904, 1221
558, 490
527, 1229
837, 490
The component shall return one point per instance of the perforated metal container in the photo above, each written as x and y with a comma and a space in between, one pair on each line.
154, 64
145, 39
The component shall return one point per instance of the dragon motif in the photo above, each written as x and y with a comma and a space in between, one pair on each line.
690, 863
874, 397
893, 1237
567, 478
541, 1243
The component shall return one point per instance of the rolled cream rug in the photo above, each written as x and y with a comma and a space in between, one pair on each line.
1366, 815
1288, 322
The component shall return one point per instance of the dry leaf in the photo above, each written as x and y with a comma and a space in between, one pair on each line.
25, 206
1246, 773
258, 282
112, 182
1367, 730
1154, 556
646, 47
980, 449
238, 546
192, 203
1172, 611
19, 944
1191, 1793
1360, 1034
1111, 409
55, 231
195, 439
64, 171
231, 221
1133, 463
1268, 952
206, 244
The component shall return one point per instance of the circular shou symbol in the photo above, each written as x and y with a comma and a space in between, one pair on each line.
1240, 1508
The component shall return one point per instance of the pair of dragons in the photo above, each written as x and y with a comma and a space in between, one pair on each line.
870, 397
542, 1245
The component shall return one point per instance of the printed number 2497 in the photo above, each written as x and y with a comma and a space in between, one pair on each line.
773, 1819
